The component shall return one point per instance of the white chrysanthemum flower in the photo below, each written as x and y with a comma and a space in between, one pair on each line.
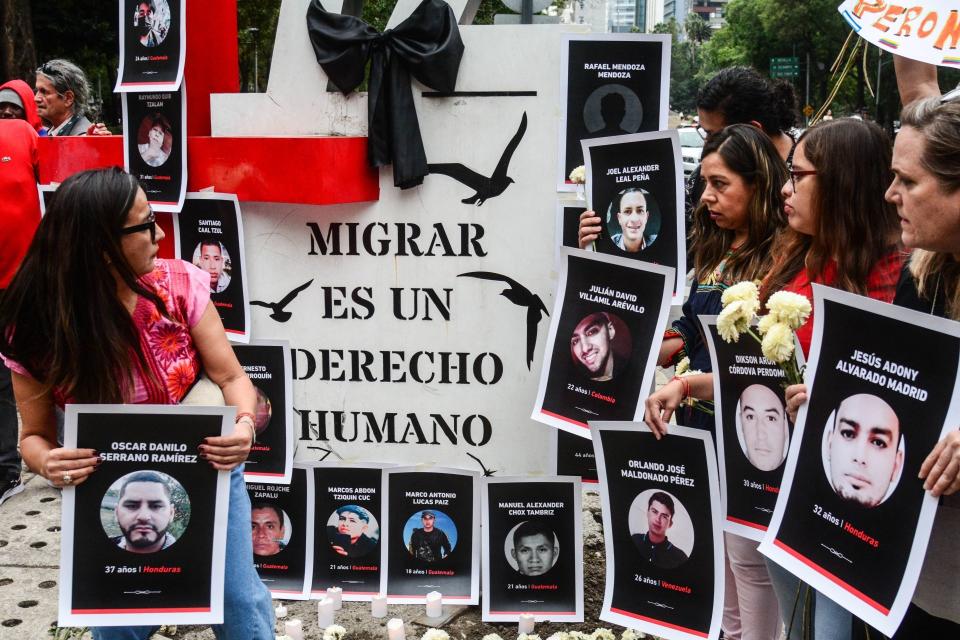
579, 175
603, 634
766, 322
435, 634
792, 309
528, 636
735, 319
745, 291
492, 636
683, 366
334, 632
777, 344
630, 634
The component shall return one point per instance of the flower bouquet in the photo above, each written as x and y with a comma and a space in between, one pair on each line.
786, 312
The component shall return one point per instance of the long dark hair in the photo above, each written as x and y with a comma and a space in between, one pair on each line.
61, 317
749, 153
854, 224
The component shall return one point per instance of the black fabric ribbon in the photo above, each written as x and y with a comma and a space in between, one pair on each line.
426, 45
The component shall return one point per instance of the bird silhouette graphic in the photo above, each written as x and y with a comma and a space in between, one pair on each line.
486, 472
520, 296
484, 187
277, 311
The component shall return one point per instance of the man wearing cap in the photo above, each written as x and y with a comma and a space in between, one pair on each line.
349, 538
61, 98
429, 544
16, 103
19, 217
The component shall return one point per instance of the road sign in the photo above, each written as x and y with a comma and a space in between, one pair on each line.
788, 67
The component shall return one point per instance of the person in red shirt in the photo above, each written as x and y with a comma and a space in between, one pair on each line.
19, 217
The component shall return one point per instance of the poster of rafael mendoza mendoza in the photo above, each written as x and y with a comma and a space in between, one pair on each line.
281, 517
532, 549
752, 430
267, 364
348, 510
610, 85
144, 536
432, 540
607, 321
853, 520
661, 530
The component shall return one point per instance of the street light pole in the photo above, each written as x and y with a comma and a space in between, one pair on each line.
256, 62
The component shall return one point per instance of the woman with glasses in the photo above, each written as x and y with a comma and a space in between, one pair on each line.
734, 228
93, 316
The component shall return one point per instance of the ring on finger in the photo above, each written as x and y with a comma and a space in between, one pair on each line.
67, 478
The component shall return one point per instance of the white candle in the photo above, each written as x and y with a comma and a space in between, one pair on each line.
395, 629
281, 612
526, 623
378, 606
336, 595
294, 629
325, 613
434, 604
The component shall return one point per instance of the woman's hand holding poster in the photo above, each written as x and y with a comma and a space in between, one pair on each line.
853, 519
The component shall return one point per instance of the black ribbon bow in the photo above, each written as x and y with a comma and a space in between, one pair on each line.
426, 45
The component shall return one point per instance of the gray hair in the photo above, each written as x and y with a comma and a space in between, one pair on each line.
67, 76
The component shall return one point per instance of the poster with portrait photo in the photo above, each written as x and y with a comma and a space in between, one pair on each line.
155, 145
144, 536
347, 520
575, 456
661, 529
281, 517
635, 185
610, 85
431, 541
752, 430
152, 45
209, 234
267, 364
607, 321
853, 520
532, 548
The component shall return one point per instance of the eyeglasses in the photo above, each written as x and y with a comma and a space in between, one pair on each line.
950, 96
798, 174
150, 224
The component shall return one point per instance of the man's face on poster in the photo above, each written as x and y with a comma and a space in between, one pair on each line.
144, 16
211, 261
591, 347
864, 449
659, 520
267, 531
144, 513
764, 425
427, 520
534, 554
350, 524
632, 217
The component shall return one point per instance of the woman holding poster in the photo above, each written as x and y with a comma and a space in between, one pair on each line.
926, 192
94, 317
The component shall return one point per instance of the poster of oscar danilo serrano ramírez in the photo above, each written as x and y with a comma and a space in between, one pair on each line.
155, 145
752, 430
635, 186
606, 325
267, 364
152, 45
610, 85
432, 541
661, 530
208, 233
853, 519
144, 536
532, 548
348, 512
281, 520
